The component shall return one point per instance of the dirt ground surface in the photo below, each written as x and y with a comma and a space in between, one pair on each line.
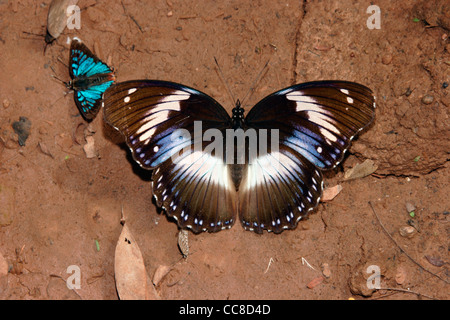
59, 208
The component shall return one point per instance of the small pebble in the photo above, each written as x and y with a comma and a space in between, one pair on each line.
427, 99
6, 103
410, 207
386, 59
326, 270
435, 261
400, 276
22, 129
407, 231
315, 282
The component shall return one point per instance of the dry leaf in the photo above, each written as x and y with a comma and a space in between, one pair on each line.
361, 170
45, 150
152, 294
160, 273
330, 193
89, 148
183, 242
129, 268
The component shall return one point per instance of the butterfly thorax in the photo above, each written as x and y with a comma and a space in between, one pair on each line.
237, 122
238, 116
83, 82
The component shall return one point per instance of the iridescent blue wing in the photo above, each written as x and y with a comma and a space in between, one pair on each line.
90, 79
316, 123
159, 121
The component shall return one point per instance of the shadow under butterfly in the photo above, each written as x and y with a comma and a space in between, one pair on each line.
90, 79
315, 124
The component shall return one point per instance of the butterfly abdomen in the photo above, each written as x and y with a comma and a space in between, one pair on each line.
237, 171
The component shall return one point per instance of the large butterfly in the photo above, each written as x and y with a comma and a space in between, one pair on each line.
90, 78
312, 123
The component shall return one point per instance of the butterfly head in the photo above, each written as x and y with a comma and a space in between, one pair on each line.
238, 115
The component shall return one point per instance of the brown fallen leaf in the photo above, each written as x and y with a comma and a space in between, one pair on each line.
45, 150
183, 242
129, 269
330, 193
89, 147
361, 170
160, 273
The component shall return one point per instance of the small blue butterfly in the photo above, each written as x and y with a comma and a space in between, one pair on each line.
90, 78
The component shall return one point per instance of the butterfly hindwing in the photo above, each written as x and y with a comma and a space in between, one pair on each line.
197, 191
90, 78
279, 188
191, 185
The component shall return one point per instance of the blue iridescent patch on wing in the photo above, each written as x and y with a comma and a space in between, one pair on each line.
82, 65
89, 98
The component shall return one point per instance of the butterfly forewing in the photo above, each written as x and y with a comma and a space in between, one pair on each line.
316, 119
192, 186
149, 112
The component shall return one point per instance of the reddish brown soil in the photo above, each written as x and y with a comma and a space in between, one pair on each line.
56, 205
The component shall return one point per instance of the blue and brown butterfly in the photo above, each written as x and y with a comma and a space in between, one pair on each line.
90, 76
316, 122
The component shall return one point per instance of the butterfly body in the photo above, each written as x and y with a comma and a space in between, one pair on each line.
90, 79
85, 83
268, 173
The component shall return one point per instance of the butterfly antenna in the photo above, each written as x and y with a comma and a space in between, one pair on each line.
33, 34
62, 81
223, 80
55, 77
59, 59
255, 83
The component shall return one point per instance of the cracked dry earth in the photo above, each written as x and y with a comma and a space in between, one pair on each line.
60, 208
